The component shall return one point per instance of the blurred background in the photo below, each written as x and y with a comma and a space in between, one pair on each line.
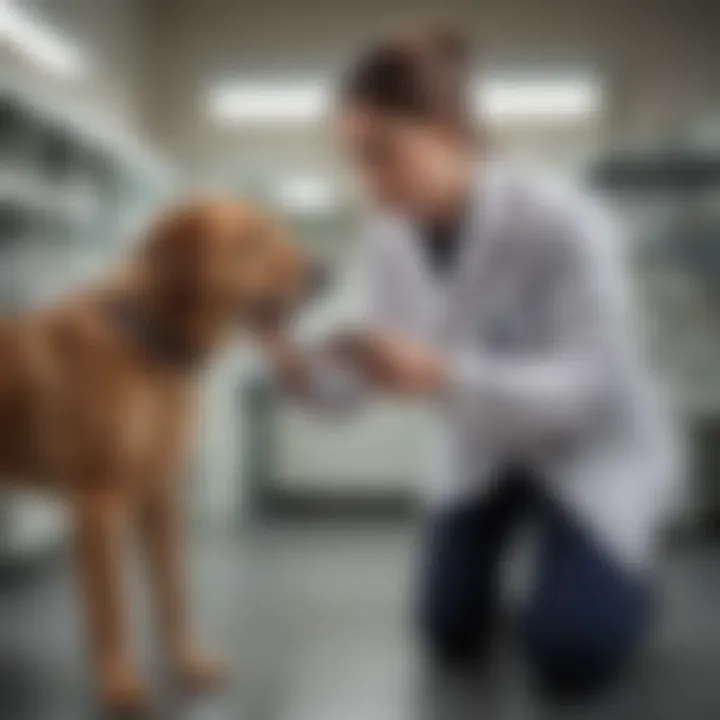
302, 529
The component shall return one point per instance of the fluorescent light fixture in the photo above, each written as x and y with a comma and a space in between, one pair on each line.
305, 195
259, 102
547, 100
39, 42
497, 99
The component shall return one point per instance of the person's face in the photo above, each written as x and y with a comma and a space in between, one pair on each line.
405, 166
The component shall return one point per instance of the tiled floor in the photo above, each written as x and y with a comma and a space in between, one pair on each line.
315, 622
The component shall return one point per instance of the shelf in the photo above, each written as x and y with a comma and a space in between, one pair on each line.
71, 174
663, 170
92, 134
29, 196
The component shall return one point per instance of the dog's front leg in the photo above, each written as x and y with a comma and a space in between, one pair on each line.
161, 530
100, 520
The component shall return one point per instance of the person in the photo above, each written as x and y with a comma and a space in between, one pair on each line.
497, 294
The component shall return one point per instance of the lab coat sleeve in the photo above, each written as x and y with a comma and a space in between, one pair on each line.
579, 310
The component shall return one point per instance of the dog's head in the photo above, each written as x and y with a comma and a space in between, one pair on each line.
216, 265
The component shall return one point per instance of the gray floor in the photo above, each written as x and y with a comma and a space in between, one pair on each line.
314, 621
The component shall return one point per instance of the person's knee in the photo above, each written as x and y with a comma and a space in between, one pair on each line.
454, 642
575, 672
453, 648
574, 658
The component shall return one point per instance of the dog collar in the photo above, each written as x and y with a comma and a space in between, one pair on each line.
154, 338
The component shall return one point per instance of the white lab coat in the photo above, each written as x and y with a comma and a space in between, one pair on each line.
542, 356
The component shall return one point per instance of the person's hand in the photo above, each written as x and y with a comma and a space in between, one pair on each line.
286, 358
391, 362
272, 341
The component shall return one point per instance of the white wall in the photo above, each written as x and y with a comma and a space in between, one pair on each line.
658, 56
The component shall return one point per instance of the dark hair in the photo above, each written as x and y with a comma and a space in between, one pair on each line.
421, 74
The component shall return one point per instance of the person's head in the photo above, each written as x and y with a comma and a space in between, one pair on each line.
405, 119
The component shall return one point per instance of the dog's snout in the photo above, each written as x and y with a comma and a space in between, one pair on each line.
318, 279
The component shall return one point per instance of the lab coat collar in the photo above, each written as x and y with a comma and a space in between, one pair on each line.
477, 230
480, 231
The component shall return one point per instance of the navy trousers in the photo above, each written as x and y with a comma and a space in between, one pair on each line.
586, 614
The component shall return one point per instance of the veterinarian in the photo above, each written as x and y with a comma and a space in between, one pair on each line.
498, 295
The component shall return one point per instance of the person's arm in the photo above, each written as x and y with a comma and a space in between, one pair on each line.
314, 375
516, 399
560, 386
320, 376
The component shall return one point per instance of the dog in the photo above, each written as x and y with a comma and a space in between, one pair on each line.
97, 406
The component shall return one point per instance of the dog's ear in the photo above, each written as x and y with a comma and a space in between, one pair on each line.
174, 257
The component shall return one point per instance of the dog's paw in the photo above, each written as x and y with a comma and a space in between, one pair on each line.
124, 693
198, 671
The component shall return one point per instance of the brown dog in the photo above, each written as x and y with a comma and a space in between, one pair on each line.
97, 401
